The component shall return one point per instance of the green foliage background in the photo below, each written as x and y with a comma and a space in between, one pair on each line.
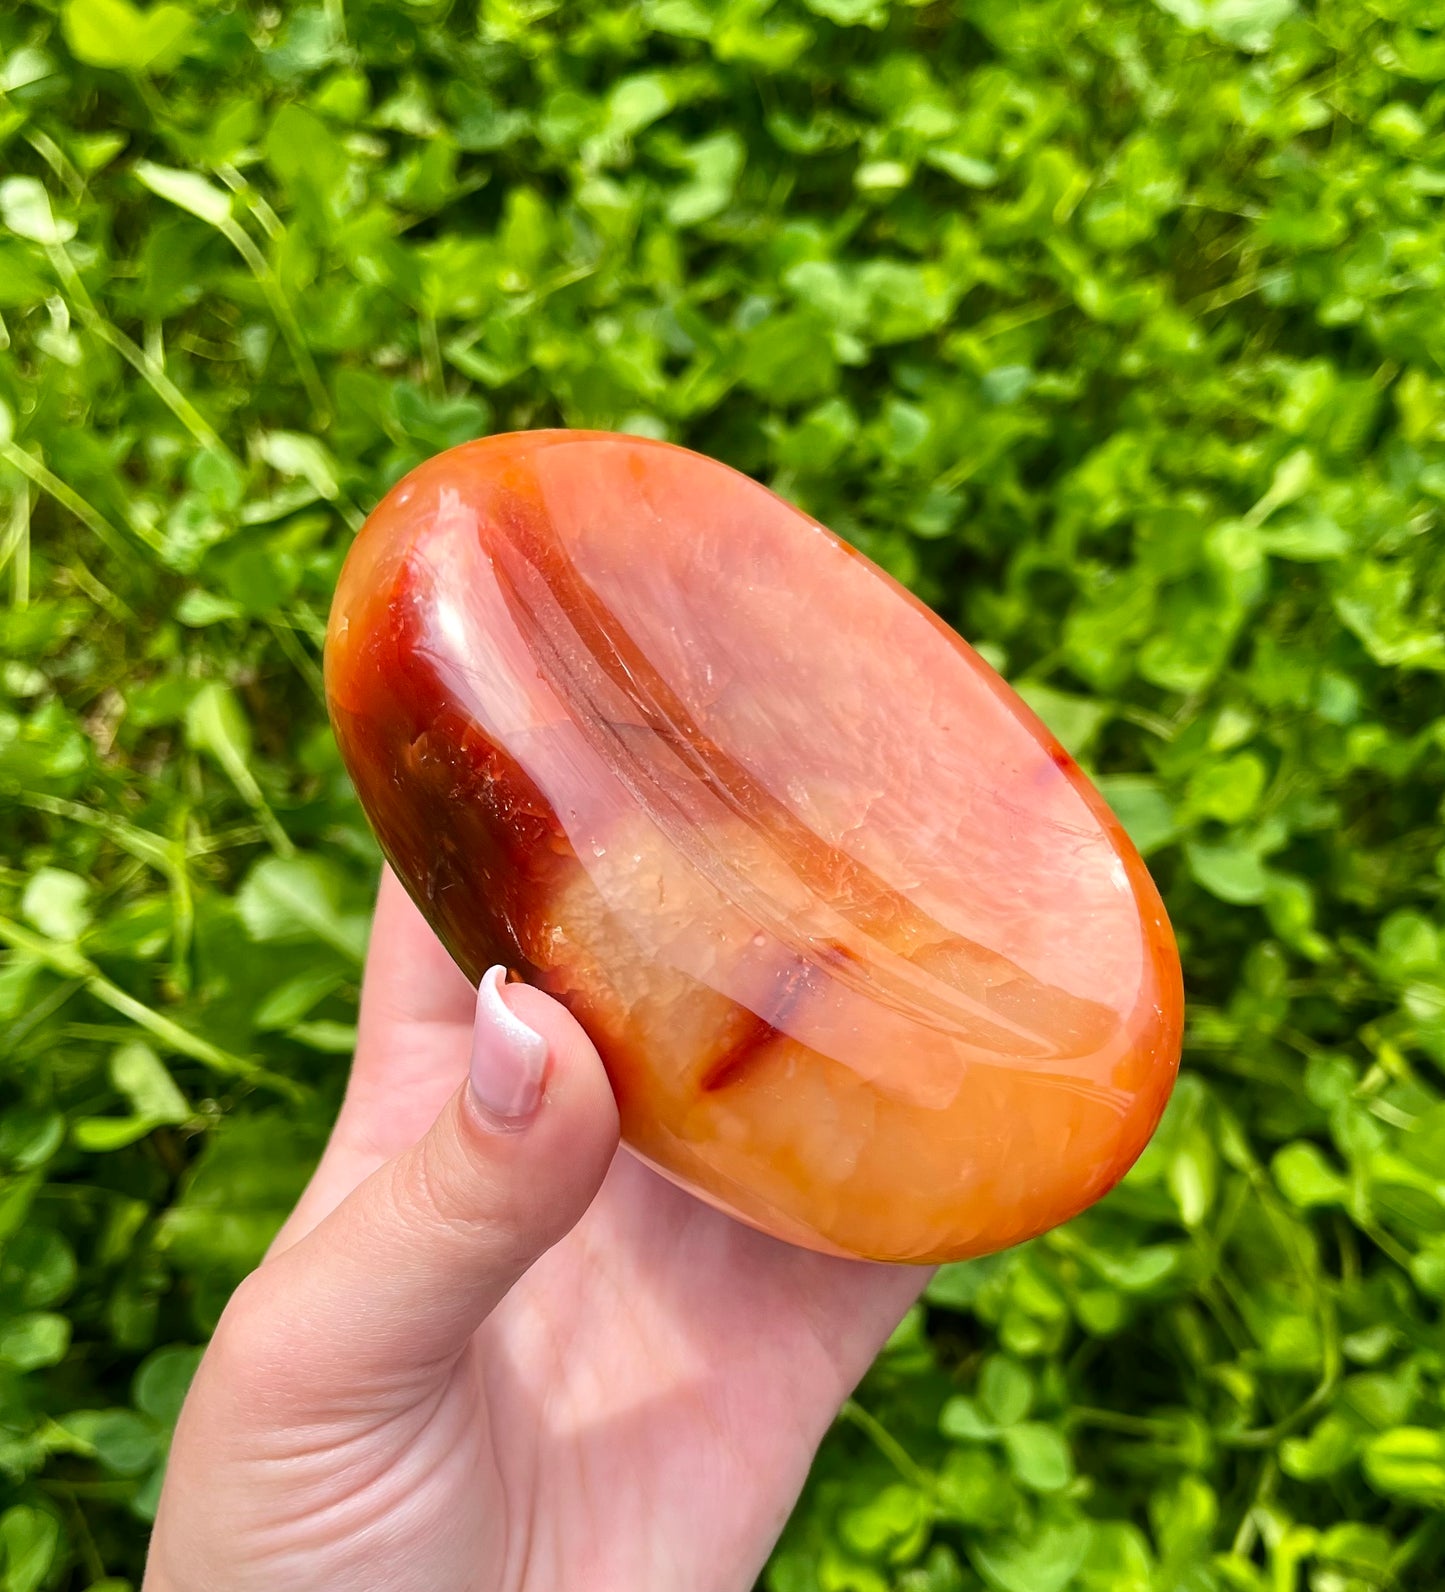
1117, 330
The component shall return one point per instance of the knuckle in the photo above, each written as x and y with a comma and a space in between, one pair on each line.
250, 1347
441, 1192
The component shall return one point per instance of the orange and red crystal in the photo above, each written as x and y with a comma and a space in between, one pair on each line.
868, 960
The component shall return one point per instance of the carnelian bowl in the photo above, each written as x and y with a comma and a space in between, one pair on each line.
868, 960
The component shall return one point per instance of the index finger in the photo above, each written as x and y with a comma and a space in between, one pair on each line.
410, 976
413, 1041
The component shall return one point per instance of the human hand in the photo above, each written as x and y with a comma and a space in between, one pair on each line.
488, 1356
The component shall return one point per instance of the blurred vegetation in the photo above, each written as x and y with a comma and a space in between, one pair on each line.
1116, 330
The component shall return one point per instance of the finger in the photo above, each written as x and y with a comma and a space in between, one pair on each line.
410, 976
414, 1030
381, 1297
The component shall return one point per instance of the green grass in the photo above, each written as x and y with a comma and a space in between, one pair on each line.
1116, 330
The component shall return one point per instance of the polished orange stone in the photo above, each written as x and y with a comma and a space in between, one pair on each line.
869, 962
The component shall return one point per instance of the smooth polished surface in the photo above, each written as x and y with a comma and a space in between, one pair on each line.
870, 963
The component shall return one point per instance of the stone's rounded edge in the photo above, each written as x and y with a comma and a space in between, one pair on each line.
782, 1231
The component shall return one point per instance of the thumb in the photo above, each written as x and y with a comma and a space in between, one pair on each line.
388, 1289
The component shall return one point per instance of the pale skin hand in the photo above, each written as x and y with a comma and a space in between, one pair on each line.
482, 1359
